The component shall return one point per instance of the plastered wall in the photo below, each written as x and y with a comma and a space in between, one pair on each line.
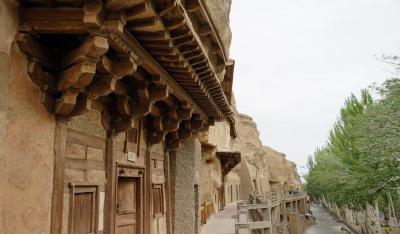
27, 153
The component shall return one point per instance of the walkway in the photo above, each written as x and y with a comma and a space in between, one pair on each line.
325, 223
223, 222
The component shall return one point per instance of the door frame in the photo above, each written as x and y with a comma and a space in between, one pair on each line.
140, 209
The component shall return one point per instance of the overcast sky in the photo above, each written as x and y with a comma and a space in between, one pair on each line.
297, 61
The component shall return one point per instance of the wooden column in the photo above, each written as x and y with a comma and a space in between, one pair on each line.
148, 196
168, 191
60, 141
109, 205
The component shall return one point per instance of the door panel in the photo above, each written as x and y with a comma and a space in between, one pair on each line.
127, 203
82, 214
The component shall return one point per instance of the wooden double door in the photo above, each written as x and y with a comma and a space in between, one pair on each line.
129, 201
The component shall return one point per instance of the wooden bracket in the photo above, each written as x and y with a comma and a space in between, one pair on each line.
66, 103
93, 13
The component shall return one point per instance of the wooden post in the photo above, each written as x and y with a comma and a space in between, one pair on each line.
60, 141
147, 192
109, 205
167, 192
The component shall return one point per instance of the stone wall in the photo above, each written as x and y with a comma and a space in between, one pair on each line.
362, 221
185, 169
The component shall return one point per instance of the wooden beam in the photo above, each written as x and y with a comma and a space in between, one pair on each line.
93, 14
171, 125
157, 80
192, 5
140, 11
121, 88
48, 100
157, 44
152, 36
204, 30
158, 123
140, 74
159, 93
184, 41
184, 113
51, 14
83, 105
123, 106
175, 23
76, 77
126, 65
177, 34
66, 103
168, 51
152, 24
117, 5
40, 77
54, 27
124, 124
92, 48
102, 86
36, 51
152, 66
141, 109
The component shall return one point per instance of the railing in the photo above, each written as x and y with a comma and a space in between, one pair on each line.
281, 228
255, 216
275, 198
294, 196
207, 209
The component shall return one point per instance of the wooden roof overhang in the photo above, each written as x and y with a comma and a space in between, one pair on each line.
229, 159
137, 58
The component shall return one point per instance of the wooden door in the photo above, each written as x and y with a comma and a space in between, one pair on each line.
128, 205
83, 213
83, 210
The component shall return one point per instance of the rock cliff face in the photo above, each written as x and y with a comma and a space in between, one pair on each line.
268, 167
219, 11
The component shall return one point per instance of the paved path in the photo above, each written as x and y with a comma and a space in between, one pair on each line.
223, 222
325, 223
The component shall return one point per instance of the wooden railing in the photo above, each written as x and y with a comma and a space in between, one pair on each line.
207, 209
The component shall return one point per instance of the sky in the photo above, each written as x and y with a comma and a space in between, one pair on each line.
296, 61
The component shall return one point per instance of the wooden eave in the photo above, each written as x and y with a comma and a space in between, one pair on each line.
152, 65
205, 14
156, 38
180, 39
228, 80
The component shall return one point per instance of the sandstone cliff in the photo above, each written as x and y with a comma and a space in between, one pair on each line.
265, 165
219, 11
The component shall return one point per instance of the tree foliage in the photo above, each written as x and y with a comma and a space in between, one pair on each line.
361, 159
